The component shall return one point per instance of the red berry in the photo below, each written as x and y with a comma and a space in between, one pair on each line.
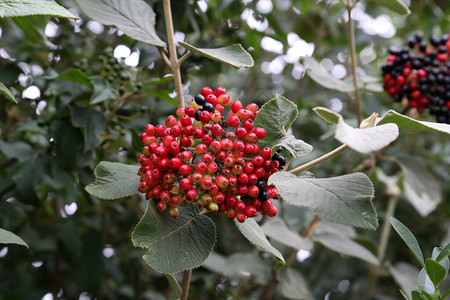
184, 170
219, 91
205, 91
250, 211
240, 217
260, 132
216, 129
236, 106
233, 121
150, 129
170, 121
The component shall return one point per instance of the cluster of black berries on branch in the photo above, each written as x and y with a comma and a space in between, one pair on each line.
201, 157
419, 75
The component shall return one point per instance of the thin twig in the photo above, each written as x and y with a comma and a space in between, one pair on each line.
164, 56
185, 284
173, 54
319, 160
351, 33
183, 58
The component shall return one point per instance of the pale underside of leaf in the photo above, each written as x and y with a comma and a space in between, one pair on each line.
254, 234
233, 55
17, 8
397, 6
327, 114
134, 17
368, 139
276, 229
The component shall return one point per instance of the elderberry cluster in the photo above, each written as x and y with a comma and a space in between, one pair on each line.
419, 75
203, 158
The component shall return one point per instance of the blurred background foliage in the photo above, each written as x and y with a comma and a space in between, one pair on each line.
86, 92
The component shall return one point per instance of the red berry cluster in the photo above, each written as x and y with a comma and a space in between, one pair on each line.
420, 75
203, 158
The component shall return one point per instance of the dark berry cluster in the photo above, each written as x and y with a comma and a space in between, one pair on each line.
201, 157
419, 75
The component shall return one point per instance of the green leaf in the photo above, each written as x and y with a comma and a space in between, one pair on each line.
443, 253
327, 114
234, 55
254, 234
16, 149
93, 122
175, 244
16, 8
114, 180
175, 288
444, 262
134, 17
34, 29
292, 285
405, 122
408, 238
276, 229
102, 91
341, 241
321, 76
276, 116
446, 294
420, 187
7, 237
345, 199
5, 91
435, 271
368, 139
417, 295
397, 6
77, 76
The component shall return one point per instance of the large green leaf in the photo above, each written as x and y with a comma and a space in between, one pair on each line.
292, 285
234, 55
420, 187
435, 271
397, 6
77, 76
276, 116
408, 238
406, 122
342, 241
368, 139
345, 199
17, 8
175, 244
254, 234
5, 91
321, 76
7, 237
134, 17
276, 229
114, 180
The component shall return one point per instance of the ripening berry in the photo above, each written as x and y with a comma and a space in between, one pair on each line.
197, 177
216, 129
198, 133
150, 129
252, 107
191, 194
184, 170
213, 206
180, 111
174, 212
236, 106
250, 211
231, 213
219, 91
253, 191
207, 157
233, 121
248, 125
240, 132
161, 206
170, 121
260, 132
211, 98
207, 139
206, 183
185, 156
215, 146
200, 149
220, 108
